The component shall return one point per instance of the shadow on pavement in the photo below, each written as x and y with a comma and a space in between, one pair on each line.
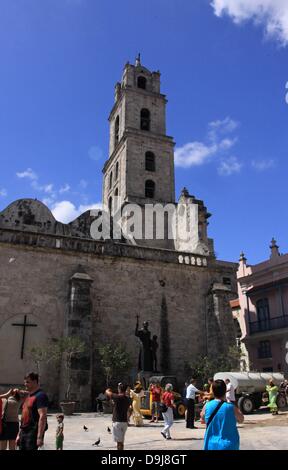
189, 439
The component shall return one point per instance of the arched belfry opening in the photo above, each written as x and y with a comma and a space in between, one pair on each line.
149, 161
141, 82
145, 120
116, 136
150, 189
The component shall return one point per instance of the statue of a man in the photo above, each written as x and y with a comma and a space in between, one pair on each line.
145, 356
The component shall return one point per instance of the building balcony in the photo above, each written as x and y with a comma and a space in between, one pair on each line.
269, 324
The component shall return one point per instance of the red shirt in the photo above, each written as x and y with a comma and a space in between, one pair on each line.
31, 404
156, 393
167, 398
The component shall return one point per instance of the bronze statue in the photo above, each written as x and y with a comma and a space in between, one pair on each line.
145, 362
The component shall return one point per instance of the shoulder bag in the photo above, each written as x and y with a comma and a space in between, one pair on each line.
214, 412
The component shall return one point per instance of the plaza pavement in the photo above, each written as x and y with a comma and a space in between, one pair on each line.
260, 431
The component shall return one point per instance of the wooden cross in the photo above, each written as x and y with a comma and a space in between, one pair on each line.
25, 325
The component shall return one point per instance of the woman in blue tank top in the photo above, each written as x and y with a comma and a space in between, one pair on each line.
221, 432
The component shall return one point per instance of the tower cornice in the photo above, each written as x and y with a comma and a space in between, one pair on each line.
127, 90
127, 133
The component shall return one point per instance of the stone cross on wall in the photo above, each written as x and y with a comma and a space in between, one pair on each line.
24, 325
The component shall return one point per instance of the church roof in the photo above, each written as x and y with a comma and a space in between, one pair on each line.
29, 214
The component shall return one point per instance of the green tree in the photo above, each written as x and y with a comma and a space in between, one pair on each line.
42, 353
204, 367
115, 361
68, 348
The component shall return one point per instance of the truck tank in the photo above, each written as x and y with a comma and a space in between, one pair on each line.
250, 382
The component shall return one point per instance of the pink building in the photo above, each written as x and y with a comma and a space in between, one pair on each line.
263, 318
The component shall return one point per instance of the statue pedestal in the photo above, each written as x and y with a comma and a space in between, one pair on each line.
144, 376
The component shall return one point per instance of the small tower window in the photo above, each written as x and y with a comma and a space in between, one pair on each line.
141, 82
145, 120
110, 204
117, 171
117, 130
110, 180
149, 161
116, 194
149, 189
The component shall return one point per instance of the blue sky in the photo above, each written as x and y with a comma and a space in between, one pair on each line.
224, 69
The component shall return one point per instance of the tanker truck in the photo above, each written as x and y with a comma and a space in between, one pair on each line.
250, 387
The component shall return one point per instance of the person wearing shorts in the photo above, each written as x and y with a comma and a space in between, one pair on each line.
121, 404
156, 392
10, 422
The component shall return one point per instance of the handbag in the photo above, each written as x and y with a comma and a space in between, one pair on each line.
163, 408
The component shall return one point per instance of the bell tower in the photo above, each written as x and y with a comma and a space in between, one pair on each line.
140, 167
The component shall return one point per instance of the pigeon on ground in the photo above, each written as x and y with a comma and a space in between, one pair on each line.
108, 429
84, 427
96, 443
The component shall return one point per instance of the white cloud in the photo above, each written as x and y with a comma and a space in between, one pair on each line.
29, 173
64, 189
3, 192
221, 127
272, 14
95, 153
66, 211
83, 184
262, 165
229, 166
48, 201
194, 153
197, 153
46, 188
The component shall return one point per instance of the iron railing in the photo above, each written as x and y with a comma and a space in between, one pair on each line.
269, 324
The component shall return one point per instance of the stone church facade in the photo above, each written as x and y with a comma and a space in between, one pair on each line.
57, 280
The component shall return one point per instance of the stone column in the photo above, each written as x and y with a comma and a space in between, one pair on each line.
79, 324
165, 364
220, 327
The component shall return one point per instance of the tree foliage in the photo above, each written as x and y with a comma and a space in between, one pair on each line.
66, 348
204, 367
115, 361
42, 353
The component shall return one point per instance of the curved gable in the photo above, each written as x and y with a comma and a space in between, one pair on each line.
30, 215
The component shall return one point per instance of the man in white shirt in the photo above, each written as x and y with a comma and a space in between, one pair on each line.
230, 392
190, 398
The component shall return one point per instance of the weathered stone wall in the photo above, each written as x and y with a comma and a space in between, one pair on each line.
163, 176
137, 99
78, 323
126, 280
119, 182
